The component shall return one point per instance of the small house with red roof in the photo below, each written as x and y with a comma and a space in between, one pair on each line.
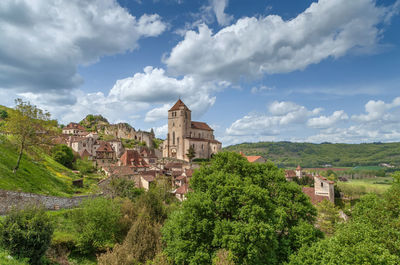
323, 190
74, 129
133, 159
254, 159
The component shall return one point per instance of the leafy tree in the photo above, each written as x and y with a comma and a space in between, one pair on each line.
63, 155
328, 217
247, 209
3, 114
26, 233
191, 153
97, 224
125, 188
29, 125
372, 235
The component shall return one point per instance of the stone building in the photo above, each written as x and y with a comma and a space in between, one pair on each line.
74, 129
183, 133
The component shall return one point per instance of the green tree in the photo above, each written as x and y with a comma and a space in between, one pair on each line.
247, 209
372, 235
191, 153
29, 125
3, 114
328, 217
26, 233
97, 224
63, 155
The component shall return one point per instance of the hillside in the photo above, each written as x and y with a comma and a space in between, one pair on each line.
287, 154
38, 173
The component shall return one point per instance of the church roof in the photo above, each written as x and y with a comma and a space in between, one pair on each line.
201, 126
178, 104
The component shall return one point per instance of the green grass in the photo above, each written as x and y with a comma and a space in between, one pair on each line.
355, 188
38, 173
7, 259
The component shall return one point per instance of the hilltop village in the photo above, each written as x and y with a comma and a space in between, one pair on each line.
145, 162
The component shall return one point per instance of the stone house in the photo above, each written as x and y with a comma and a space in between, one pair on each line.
133, 159
184, 133
74, 129
323, 190
117, 146
105, 154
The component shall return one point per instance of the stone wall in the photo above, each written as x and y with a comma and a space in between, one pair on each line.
8, 199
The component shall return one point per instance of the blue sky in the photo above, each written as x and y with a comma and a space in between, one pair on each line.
309, 71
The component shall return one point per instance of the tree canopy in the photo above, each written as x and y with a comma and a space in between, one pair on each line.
249, 210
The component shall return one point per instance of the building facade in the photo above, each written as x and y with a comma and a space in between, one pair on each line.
184, 133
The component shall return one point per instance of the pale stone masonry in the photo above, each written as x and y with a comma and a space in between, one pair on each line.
183, 133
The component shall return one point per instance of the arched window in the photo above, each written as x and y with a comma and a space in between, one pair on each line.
173, 137
177, 139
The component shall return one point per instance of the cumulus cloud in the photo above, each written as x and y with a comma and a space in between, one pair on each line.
377, 110
218, 7
281, 115
328, 121
328, 28
44, 41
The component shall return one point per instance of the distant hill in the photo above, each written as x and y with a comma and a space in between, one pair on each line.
288, 154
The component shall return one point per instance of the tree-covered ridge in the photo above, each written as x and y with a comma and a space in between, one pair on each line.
288, 154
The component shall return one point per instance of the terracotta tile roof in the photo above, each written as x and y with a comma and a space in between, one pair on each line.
201, 126
173, 165
325, 179
84, 153
176, 173
73, 125
121, 170
252, 159
189, 172
298, 167
105, 147
148, 178
133, 158
181, 177
290, 173
182, 189
178, 104
315, 199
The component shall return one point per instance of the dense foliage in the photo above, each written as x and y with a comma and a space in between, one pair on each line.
287, 154
97, 224
247, 209
63, 155
26, 233
372, 236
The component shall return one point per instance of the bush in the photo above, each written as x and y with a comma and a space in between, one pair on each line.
63, 155
27, 233
84, 166
125, 188
97, 224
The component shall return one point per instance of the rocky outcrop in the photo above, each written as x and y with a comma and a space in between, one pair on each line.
125, 131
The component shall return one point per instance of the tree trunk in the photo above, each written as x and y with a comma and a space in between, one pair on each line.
19, 156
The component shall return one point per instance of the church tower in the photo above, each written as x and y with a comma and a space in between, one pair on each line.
179, 123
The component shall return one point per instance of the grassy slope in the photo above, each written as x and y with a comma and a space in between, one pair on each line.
40, 175
288, 154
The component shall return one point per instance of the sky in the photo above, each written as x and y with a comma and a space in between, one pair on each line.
254, 70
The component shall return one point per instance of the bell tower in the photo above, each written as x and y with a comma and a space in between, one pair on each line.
179, 123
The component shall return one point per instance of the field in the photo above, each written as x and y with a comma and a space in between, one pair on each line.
354, 188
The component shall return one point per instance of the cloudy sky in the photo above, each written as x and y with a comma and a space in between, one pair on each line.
255, 70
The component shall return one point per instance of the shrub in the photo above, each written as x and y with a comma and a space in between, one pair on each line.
97, 224
63, 155
84, 166
27, 233
125, 188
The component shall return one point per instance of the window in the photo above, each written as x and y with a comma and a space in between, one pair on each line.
173, 124
322, 184
202, 147
173, 137
199, 135
177, 139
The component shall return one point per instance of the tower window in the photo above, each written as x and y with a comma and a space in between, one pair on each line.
322, 184
173, 137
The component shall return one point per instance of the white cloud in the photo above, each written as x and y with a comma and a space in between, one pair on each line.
157, 113
327, 121
218, 7
44, 41
260, 89
281, 115
378, 110
161, 131
255, 46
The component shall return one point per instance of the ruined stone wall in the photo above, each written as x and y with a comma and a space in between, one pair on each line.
9, 199
125, 131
